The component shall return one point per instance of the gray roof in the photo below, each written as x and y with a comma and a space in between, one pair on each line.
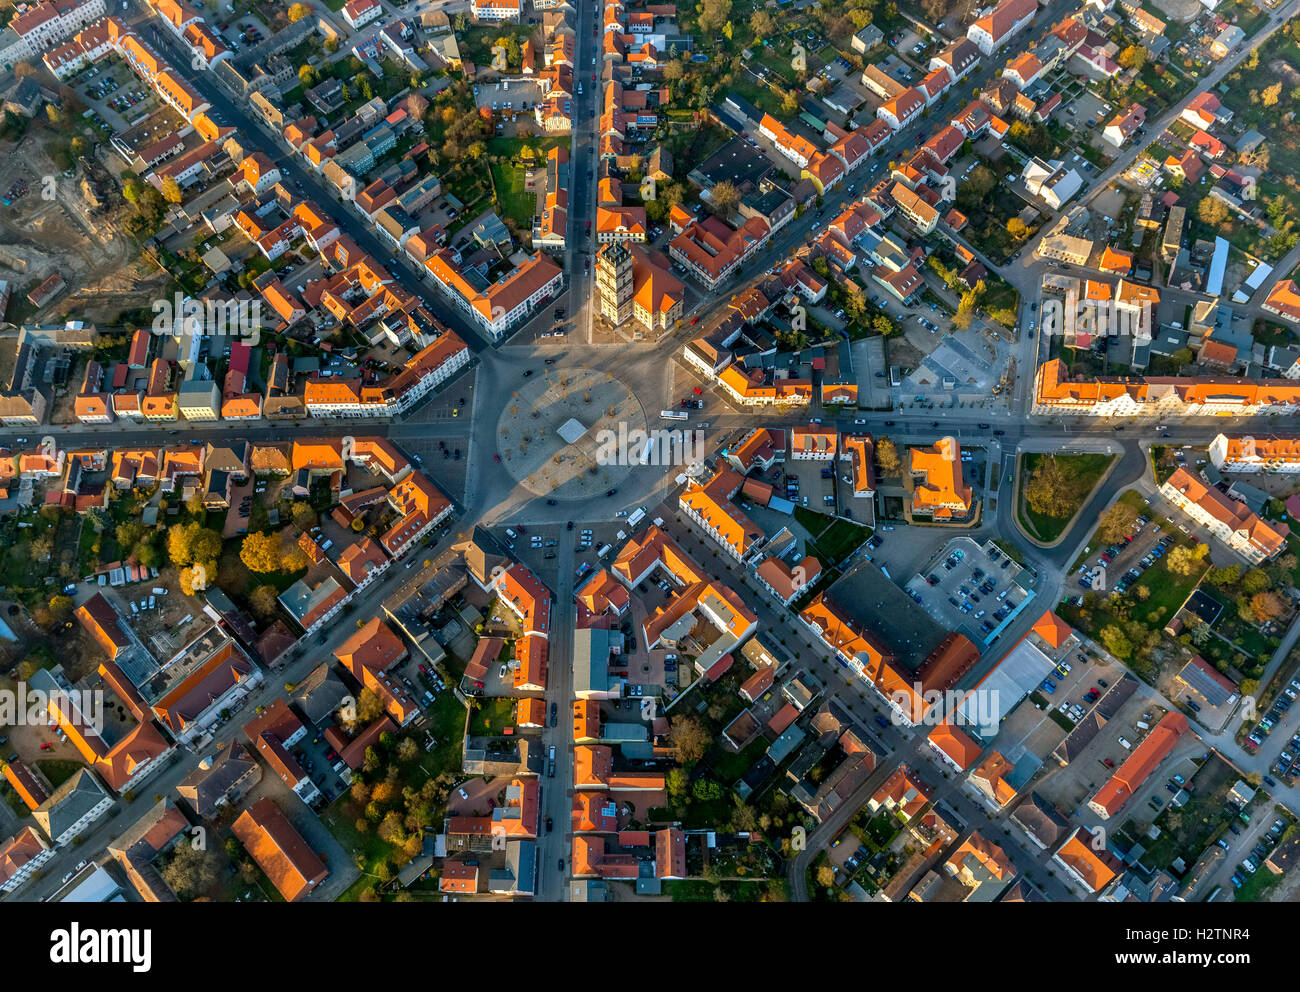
1041, 820
319, 694
204, 787
1081, 736
70, 802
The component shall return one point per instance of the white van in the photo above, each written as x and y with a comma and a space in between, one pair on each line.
511, 534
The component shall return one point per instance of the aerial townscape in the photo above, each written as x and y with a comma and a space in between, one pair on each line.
725, 452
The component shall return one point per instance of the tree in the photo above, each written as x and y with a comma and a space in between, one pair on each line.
1267, 606
1211, 210
408, 750
298, 11
762, 24
1183, 560
61, 608
1270, 95
1052, 491
304, 516
262, 601
191, 870
965, 311
724, 197
171, 190
1116, 642
790, 104
714, 14
826, 876
461, 22
1133, 57
191, 542
1017, 229
706, 790
308, 76
1116, 522
677, 782
690, 737
261, 553
887, 457
980, 182
369, 707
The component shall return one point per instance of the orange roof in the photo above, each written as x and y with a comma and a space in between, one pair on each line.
991, 775
1233, 514
586, 720
712, 502
956, 744
1140, 765
373, 646
789, 581
1096, 868
1053, 629
1116, 260
943, 487
279, 850
859, 449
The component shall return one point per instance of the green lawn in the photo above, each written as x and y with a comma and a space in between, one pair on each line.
492, 717
514, 199
57, 770
1082, 472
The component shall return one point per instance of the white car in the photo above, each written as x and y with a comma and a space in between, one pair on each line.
502, 673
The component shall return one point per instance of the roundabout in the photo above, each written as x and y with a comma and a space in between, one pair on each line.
552, 432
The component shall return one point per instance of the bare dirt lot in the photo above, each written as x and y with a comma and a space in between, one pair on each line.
40, 236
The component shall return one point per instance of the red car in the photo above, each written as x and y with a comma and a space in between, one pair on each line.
694, 321
1108, 763
588, 227
593, 77
496, 458
47, 746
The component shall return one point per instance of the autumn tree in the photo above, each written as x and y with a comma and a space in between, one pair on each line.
887, 457
1116, 522
762, 24
1017, 228
1133, 57
1267, 606
171, 190
690, 737
191, 870
298, 11
1211, 210
714, 14
1183, 560
369, 708
261, 553
1114, 640
724, 197
1270, 94
1051, 490
192, 542
262, 601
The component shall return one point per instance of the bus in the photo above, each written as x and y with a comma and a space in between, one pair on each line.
673, 414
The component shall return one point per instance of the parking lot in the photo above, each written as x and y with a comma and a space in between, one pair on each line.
1119, 565
969, 587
